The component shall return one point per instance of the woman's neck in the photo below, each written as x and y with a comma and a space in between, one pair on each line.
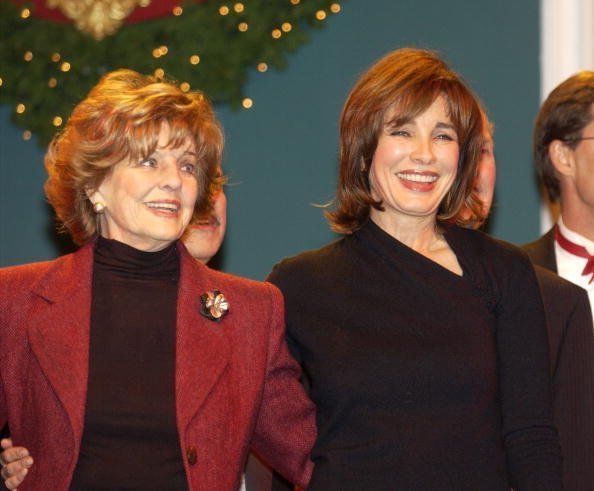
421, 234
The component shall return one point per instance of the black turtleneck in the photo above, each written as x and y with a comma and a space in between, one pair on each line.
130, 438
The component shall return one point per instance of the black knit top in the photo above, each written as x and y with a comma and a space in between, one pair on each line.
423, 379
130, 438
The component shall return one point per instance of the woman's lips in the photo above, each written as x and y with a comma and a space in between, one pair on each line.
164, 208
210, 222
418, 181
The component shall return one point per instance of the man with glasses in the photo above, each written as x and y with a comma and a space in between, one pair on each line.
563, 151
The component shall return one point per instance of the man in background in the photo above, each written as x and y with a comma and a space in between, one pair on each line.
563, 150
571, 344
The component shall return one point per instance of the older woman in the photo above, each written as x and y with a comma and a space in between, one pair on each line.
423, 343
128, 364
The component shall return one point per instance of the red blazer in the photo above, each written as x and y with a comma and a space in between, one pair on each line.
236, 386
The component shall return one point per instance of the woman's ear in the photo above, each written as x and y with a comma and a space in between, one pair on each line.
561, 157
96, 199
93, 194
89, 191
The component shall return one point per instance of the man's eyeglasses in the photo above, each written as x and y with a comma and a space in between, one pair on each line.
578, 139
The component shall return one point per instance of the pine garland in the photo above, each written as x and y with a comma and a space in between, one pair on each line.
47, 89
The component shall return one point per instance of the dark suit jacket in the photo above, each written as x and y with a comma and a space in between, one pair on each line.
571, 339
236, 384
542, 251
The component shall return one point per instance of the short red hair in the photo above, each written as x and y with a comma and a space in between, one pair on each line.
121, 118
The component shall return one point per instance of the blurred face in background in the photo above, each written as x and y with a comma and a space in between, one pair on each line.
204, 238
484, 184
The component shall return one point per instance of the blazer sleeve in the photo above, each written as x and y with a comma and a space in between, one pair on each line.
4, 431
530, 438
285, 429
573, 396
4, 327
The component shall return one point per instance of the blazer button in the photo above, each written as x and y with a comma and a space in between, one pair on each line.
192, 454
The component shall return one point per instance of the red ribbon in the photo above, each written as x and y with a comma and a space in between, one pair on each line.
576, 250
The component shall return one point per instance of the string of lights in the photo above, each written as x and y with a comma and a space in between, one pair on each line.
47, 67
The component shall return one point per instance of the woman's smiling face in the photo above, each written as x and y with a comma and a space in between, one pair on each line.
415, 164
149, 203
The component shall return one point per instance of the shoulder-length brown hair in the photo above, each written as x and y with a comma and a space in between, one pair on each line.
121, 118
408, 81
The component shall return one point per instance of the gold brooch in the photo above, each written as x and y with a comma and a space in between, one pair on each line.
214, 305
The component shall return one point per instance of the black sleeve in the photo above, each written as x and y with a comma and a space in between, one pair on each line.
530, 437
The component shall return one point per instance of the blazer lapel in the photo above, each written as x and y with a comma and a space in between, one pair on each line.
542, 250
59, 330
202, 348
549, 259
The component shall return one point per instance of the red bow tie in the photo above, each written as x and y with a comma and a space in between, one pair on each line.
576, 250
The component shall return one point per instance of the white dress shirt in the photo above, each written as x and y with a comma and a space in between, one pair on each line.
570, 266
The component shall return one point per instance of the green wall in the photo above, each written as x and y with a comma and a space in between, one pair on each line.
281, 154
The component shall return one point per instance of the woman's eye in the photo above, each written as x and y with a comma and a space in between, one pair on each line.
445, 137
150, 162
397, 132
189, 168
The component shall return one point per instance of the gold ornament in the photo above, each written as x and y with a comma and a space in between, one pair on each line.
99, 18
214, 305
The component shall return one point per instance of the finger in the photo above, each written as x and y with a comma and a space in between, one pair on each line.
5, 473
15, 469
15, 481
6, 443
13, 454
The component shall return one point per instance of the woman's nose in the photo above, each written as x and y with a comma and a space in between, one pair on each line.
422, 151
170, 175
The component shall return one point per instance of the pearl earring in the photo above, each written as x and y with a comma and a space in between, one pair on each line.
99, 209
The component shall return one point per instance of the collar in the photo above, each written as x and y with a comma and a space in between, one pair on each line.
574, 237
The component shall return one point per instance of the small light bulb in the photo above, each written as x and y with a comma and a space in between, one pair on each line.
247, 103
262, 67
20, 109
243, 26
177, 11
65, 66
335, 8
194, 59
238, 7
276, 33
57, 121
224, 10
320, 15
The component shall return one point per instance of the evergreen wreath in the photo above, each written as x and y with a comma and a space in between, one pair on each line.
46, 68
